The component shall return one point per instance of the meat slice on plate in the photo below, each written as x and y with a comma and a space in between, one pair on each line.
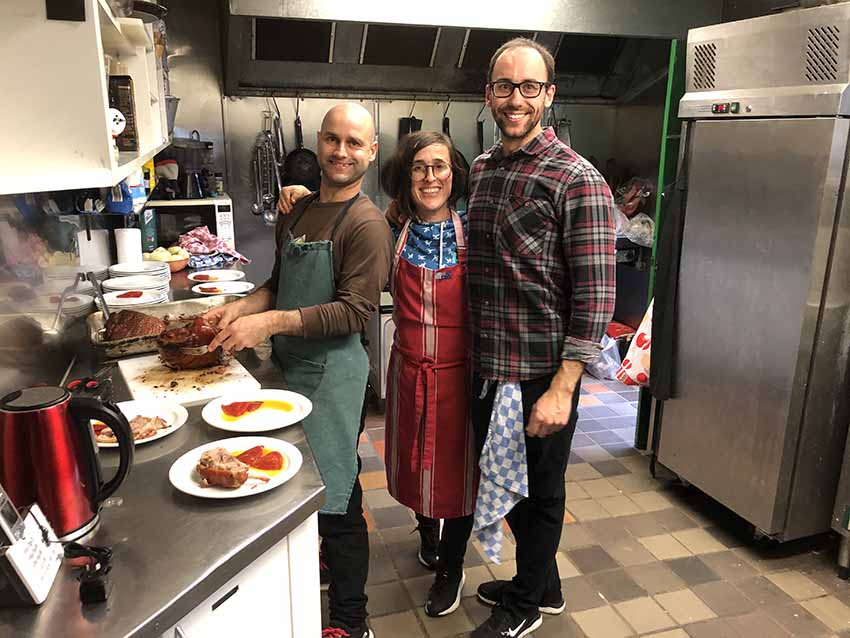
142, 427
219, 467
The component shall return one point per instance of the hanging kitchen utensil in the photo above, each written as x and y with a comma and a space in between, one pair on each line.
479, 125
301, 165
409, 124
446, 124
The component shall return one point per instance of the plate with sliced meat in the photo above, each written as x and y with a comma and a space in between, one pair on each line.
257, 411
237, 467
223, 288
205, 276
149, 421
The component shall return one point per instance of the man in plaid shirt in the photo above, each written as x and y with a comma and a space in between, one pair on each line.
541, 294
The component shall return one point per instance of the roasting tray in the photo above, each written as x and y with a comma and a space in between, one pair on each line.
142, 345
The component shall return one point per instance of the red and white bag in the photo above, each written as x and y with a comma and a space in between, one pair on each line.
635, 367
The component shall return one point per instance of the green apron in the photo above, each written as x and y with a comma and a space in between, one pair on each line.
331, 371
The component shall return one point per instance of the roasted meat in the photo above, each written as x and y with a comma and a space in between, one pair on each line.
142, 427
193, 333
220, 467
129, 323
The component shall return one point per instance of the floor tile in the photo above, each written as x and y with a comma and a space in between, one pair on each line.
610, 468
655, 578
729, 566
604, 436
607, 530
616, 585
397, 516
599, 411
377, 435
372, 464
796, 585
588, 401
576, 535
797, 621
698, 541
650, 501
619, 505
595, 454
673, 633
599, 488
451, 625
593, 386
724, 599
387, 598
762, 592
674, 520
566, 568
645, 615
587, 510
373, 480
714, 628
830, 611
590, 425
757, 623
602, 622
395, 625
562, 626
581, 440
624, 409
628, 552
476, 612
610, 398
579, 594
379, 498
379, 447
642, 525
692, 570
575, 492
582, 472
635, 483
664, 547
685, 607
620, 450
504, 571
591, 559
474, 577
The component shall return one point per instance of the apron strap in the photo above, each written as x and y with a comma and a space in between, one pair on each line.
313, 198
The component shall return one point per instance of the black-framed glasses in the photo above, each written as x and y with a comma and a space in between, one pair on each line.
527, 88
441, 170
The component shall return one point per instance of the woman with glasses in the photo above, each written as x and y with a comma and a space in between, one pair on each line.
429, 446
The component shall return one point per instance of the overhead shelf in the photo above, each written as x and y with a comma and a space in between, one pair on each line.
134, 30
114, 40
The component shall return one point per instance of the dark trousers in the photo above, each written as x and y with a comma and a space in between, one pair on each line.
345, 550
453, 539
536, 522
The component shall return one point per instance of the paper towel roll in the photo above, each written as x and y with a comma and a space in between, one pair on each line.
94, 251
128, 241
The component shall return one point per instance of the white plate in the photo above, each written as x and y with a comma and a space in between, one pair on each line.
224, 287
261, 420
184, 477
139, 268
219, 275
148, 297
135, 282
174, 415
51, 302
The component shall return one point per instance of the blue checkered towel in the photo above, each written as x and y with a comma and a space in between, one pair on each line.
504, 468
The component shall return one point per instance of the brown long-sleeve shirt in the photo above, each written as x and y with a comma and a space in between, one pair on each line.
362, 255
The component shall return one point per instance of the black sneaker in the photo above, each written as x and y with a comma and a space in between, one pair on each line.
503, 624
429, 541
341, 631
490, 593
444, 595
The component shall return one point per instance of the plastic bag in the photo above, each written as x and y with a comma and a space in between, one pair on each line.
632, 196
635, 368
606, 366
621, 223
641, 230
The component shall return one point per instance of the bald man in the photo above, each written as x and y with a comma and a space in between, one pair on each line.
332, 262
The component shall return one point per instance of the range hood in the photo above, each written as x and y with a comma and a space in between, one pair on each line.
317, 47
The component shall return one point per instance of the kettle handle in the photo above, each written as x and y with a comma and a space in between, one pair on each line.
83, 409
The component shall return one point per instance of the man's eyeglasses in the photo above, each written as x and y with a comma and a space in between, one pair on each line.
528, 89
441, 170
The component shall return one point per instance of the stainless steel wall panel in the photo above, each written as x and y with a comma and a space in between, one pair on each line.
745, 331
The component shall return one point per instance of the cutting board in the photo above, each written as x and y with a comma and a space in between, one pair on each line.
147, 378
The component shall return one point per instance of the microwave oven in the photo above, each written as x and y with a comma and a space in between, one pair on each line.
163, 221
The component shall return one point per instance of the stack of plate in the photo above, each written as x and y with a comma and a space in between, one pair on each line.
76, 304
153, 268
68, 273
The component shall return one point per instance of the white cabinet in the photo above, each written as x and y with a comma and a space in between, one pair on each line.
54, 100
279, 590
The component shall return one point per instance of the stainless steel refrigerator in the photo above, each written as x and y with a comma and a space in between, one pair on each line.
759, 411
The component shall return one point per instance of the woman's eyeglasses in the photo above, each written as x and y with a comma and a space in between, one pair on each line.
528, 89
418, 172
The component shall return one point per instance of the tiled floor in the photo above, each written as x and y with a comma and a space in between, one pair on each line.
639, 557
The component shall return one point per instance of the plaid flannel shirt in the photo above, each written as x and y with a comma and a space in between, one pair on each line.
541, 259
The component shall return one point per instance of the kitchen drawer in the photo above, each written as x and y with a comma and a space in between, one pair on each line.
283, 579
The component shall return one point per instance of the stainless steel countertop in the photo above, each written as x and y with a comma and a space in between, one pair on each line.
171, 550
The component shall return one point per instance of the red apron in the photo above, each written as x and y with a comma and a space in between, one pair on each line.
429, 450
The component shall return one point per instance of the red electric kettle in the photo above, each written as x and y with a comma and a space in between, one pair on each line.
48, 455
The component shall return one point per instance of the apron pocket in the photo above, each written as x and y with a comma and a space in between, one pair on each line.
302, 375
